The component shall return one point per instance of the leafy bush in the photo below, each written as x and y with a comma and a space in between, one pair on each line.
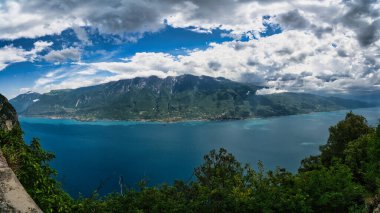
345, 177
30, 164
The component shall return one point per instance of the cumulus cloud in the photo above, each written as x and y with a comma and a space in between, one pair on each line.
41, 45
18, 21
290, 61
267, 91
293, 20
10, 54
39, 17
60, 56
82, 35
363, 17
326, 45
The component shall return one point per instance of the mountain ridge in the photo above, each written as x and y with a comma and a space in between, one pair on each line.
184, 97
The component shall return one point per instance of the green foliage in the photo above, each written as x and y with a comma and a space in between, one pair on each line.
219, 170
173, 98
351, 128
223, 185
330, 189
363, 157
30, 164
372, 167
339, 180
345, 177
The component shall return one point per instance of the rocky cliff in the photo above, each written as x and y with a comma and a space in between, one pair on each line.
13, 197
8, 115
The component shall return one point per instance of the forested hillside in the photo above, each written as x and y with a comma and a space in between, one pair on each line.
185, 97
345, 177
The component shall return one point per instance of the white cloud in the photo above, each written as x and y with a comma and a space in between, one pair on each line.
267, 91
82, 35
41, 45
290, 61
326, 46
16, 21
73, 77
10, 54
60, 56
24, 89
35, 18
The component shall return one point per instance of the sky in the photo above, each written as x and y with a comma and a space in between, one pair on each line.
314, 46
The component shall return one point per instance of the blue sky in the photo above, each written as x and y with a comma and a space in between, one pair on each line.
171, 40
321, 47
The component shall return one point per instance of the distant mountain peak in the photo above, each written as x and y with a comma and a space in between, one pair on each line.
184, 97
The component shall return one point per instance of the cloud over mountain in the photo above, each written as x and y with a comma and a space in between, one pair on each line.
279, 61
325, 45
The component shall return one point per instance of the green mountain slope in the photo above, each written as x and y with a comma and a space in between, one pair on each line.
173, 98
23, 101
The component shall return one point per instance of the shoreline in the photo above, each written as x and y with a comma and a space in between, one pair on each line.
179, 120
168, 121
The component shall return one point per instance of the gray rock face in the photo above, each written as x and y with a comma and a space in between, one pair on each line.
13, 197
8, 115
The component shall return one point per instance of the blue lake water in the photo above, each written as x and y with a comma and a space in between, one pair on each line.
90, 154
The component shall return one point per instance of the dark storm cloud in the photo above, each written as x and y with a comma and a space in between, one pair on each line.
284, 51
357, 18
293, 20
332, 78
239, 46
125, 16
251, 62
253, 78
306, 74
369, 34
289, 77
214, 65
112, 16
299, 82
319, 31
370, 66
119, 16
361, 16
342, 53
298, 58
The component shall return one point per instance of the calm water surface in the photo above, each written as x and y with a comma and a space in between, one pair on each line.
90, 154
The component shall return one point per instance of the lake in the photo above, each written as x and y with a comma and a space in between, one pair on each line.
95, 154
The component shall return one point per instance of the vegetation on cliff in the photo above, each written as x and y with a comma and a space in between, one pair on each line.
8, 115
345, 177
30, 164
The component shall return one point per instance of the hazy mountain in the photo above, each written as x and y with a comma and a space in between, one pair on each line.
173, 98
23, 101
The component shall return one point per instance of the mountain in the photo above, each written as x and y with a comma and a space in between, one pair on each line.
23, 101
8, 115
185, 97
